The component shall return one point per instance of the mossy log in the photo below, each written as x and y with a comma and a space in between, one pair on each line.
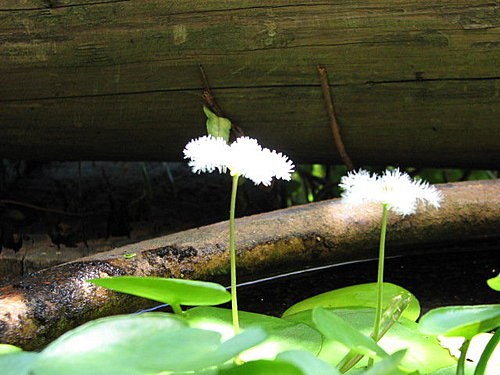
414, 83
38, 308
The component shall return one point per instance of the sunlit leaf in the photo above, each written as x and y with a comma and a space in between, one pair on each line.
137, 345
263, 367
247, 339
494, 283
465, 321
307, 362
335, 328
171, 291
17, 363
217, 126
7, 349
424, 352
452, 370
282, 334
388, 365
362, 295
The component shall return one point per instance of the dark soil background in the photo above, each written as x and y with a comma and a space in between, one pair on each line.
452, 276
55, 212
59, 211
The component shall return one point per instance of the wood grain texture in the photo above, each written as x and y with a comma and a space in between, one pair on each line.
414, 83
38, 308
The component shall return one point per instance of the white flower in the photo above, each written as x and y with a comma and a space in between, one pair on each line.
207, 154
395, 189
244, 157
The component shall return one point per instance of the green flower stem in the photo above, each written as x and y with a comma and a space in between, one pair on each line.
232, 252
176, 308
461, 360
380, 274
390, 316
487, 353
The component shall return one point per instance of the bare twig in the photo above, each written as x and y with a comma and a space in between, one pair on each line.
334, 125
207, 95
209, 100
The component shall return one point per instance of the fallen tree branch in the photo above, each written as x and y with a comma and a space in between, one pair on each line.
40, 307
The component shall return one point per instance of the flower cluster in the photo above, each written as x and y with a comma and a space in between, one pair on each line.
395, 189
244, 157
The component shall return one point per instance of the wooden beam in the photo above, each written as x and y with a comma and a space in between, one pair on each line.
413, 83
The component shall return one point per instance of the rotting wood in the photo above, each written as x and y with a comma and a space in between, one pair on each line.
38, 308
417, 82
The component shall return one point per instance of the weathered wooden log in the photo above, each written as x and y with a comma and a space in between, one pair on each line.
40, 307
414, 83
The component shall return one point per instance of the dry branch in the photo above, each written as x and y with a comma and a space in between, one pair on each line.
38, 308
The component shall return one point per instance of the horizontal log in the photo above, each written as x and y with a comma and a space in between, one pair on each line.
38, 308
413, 83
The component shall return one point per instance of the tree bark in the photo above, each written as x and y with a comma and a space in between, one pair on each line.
414, 83
40, 307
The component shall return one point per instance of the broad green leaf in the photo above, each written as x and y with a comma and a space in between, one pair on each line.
307, 362
7, 349
282, 334
464, 321
494, 283
171, 291
247, 339
388, 365
335, 328
17, 363
124, 344
424, 352
263, 367
138, 345
469, 370
217, 126
362, 295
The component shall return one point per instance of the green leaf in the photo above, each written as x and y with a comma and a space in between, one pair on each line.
494, 283
361, 295
263, 367
171, 291
139, 345
336, 328
7, 349
282, 334
17, 363
247, 339
307, 362
388, 366
424, 352
464, 321
452, 370
217, 126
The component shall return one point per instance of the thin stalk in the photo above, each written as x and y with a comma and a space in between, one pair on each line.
380, 278
487, 353
232, 253
380, 274
390, 316
176, 308
461, 360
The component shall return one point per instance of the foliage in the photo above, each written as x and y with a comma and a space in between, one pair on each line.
310, 339
360, 295
328, 334
217, 126
316, 182
175, 292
